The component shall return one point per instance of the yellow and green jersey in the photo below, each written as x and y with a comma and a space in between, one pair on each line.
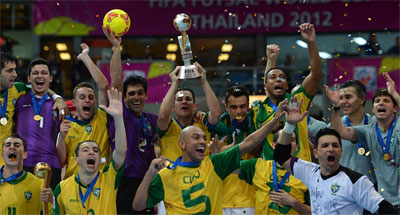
259, 173
194, 190
13, 93
96, 130
102, 199
264, 112
169, 138
21, 195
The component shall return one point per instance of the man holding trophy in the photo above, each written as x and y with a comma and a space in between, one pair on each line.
182, 100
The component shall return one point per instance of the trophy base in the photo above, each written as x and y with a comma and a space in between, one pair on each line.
188, 72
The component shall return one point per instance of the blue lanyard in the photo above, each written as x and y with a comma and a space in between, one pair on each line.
38, 106
275, 178
88, 191
180, 125
308, 119
79, 121
385, 147
3, 107
17, 175
349, 124
272, 105
179, 162
143, 127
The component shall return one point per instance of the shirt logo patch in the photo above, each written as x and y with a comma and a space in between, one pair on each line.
28, 195
96, 192
335, 188
88, 129
14, 101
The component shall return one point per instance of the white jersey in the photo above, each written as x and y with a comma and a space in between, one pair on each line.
344, 192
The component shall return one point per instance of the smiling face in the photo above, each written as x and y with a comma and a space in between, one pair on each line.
85, 103
275, 83
135, 98
350, 102
193, 144
328, 153
8, 75
13, 152
184, 104
88, 157
237, 107
40, 79
383, 108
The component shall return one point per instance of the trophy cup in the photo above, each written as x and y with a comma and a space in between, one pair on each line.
43, 170
182, 23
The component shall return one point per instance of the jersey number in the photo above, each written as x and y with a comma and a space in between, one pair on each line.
188, 202
12, 211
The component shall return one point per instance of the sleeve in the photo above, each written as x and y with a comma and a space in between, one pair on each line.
248, 170
119, 173
361, 133
155, 191
365, 194
205, 121
21, 88
58, 207
303, 170
226, 162
162, 133
302, 94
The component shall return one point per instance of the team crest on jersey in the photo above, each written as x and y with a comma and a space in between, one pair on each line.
335, 188
14, 101
96, 192
88, 129
28, 195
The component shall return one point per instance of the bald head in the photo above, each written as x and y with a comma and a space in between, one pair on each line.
186, 131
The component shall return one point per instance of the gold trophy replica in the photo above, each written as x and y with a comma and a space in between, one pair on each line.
43, 170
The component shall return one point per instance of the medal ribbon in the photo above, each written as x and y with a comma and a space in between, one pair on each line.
38, 106
272, 105
3, 107
180, 125
275, 178
17, 175
179, 162
386, 147
349, 124
143, 127
88, 191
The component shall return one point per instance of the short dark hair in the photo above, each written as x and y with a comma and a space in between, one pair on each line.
134, 80
6, 58
361, 91
383, 92
81, 85
15, 135
37, 61
273, 68
236, 91
79, 146
184, 88
324, 132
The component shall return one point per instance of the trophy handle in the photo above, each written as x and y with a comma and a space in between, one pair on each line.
47, 179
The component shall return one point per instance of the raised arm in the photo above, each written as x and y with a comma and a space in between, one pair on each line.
212, 101
272, 56
60, 145
311, 82
96, 74
260, 135
346, 133
293, 116
59, 104
115, 110
391, 86
167, 105
115, 66
140, 201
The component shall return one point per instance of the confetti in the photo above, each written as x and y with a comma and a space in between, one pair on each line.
346, 4
340, 77
293, 46
228, 80
171, 39
336, 79
345, 15
58, 4
227, 73
239, 27
345, 73
243, 65
97, 15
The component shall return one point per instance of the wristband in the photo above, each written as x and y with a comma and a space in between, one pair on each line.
289, 128
335, 108
55, 96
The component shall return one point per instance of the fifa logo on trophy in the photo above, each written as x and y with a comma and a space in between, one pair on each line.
182, 23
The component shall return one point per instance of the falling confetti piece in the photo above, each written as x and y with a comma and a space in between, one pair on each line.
260, 91
293, 46
247, 6
226, 10
349, 35
337, 64
230, 14
382, 190
171, 39
227, 73
169, 83
228, 80
345, 15
346, 4
239, 27
262, 78
345, 73
340, 77
97, 16
254, 14
219, 61
58, 4
323, 61
341, 24
128, 64
164, 85
337, 55
226, 41
336, 79
284, 2
369, 19
309, 67
243, 65
202, 48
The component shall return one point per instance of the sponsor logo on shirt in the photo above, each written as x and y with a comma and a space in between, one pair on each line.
73, 200
335, 188
188, 179
88, 129
96, 192
28, 195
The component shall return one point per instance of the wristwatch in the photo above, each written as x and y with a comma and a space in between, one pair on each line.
335, 108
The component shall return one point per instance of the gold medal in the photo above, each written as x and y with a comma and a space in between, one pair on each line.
37, 117
361, 151
3, 121
385, 157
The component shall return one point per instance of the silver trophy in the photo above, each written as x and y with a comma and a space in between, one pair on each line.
182, 23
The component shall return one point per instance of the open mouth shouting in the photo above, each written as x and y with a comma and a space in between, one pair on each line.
91, 162
12, 156
331, 159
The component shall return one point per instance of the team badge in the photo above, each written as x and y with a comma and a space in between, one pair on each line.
14, 101
335, 188
88, 129
28, 195
96, 192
